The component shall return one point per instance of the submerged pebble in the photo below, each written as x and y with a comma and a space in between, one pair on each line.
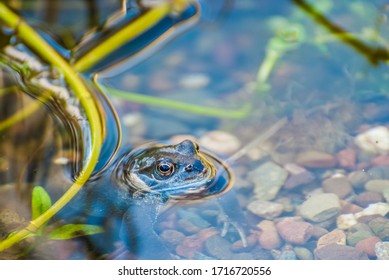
364, 199
380, 226
316, 159
303, 253
320, 207
374, 140
368, 245
336, 236
347, 158
382, 250
357, 233
377, 185
265, 209
337, 185
295, 232
194, 81
339, 252
297, 176
268, 237
268, 179
220, 142
380, 208
218, 247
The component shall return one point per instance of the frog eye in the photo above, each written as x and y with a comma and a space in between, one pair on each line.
165, 168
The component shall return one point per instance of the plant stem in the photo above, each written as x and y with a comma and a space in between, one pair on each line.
28, 36
124, 35
244, 111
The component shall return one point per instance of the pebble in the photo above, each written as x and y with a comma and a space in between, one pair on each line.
381, 160
380, 226
365, 198
172, 237
265, 209
368, 244
347, 158
320, 207
194, 243
295, 232
382, 250
218, 247
288, 255
316, 159
220, 142
303, 253
194, 81
194, 218
268, 179
319, 231
298, 176
268, 237
337, 185
339, 252
252, 240
374, 140
377, 185
345, 221
380, 208
348, 207
358, 178
336, 236
357, 233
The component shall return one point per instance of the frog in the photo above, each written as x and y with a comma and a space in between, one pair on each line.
139, 186
135, 188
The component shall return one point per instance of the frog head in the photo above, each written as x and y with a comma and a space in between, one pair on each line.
173, 172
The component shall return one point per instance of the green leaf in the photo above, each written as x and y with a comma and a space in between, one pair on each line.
40, 201
73, 230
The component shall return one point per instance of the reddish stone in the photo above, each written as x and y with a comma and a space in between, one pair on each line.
251, 239
365, 198
349, 208
347, 158
298, 176
368, 245
316, 159
295, 232
268, 238
194, 243
382, 160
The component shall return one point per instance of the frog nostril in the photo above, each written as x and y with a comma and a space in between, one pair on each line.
189, 168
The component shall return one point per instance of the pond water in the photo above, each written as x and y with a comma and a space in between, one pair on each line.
315, 187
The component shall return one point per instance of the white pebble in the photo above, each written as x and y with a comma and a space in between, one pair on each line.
220, 142
346, 221
380, 208
194, 81
374, 140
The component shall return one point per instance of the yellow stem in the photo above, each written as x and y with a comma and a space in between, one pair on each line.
43, 49
129, 32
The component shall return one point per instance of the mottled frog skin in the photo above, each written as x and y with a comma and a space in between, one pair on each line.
142, 182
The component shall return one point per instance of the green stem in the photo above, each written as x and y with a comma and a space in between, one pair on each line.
244, 111
44, 50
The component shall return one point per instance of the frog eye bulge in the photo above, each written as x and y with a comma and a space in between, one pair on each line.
165, 168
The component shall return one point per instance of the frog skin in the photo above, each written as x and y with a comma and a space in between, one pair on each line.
142, 182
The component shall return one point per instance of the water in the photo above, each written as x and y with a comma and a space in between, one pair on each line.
330, 88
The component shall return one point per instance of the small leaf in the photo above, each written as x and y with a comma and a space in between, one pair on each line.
40, 201
74, 230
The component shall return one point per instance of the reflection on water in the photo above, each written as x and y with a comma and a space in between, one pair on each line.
317, 189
